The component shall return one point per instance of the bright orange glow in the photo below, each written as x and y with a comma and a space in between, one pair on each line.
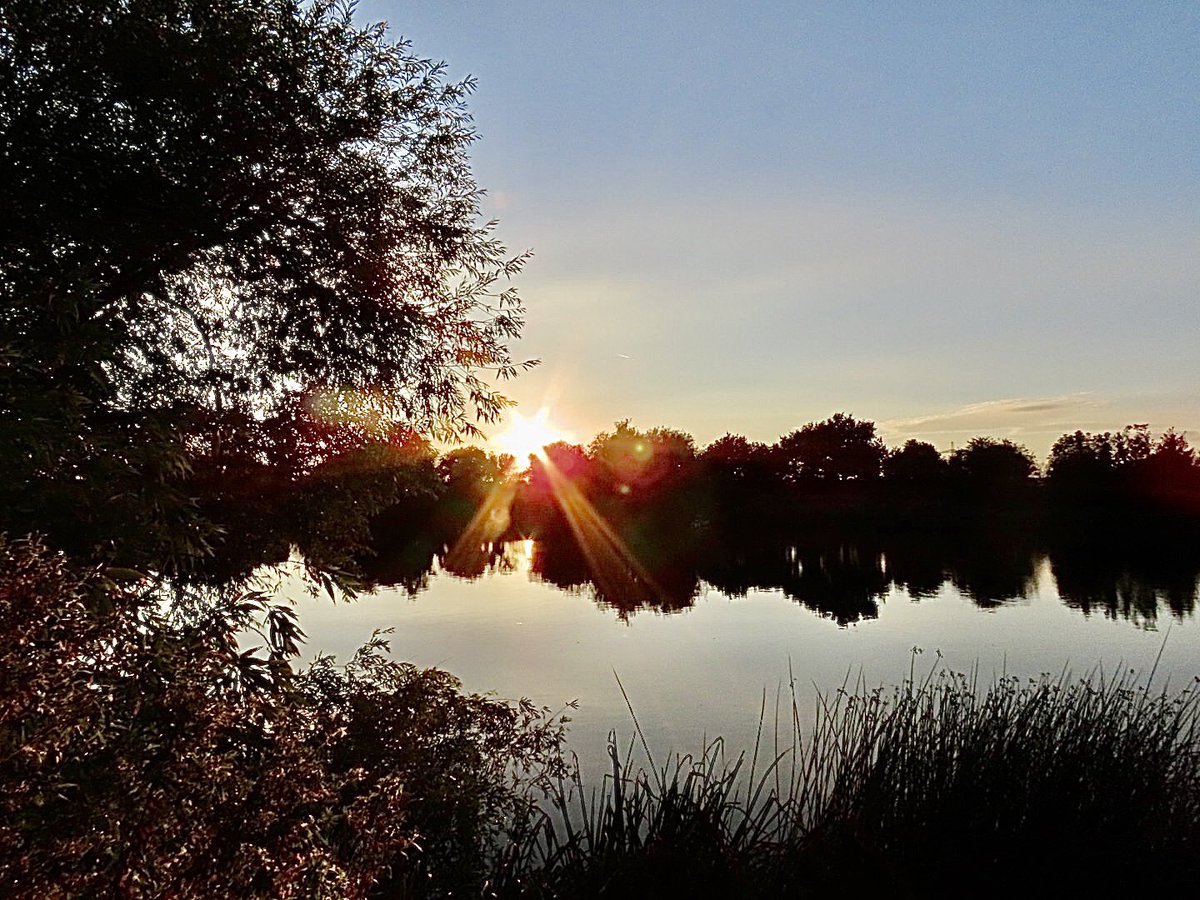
527, 437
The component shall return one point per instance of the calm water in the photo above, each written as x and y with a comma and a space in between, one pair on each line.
701, 669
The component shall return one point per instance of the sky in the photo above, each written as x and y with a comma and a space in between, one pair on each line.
951, 219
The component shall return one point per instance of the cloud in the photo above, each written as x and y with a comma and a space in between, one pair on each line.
1013, 417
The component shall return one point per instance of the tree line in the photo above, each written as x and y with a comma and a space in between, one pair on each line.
835, 471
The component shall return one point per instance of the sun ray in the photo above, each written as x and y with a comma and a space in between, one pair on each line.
616, 572
487, 525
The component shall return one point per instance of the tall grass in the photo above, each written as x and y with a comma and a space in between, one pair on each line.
934, 788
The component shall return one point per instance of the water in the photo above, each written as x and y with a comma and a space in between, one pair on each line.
817, 617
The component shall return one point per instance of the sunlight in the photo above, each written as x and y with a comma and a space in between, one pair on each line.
615, 571
526, 437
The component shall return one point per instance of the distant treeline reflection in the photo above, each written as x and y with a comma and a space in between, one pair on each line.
828, 516
645, 519
844, 581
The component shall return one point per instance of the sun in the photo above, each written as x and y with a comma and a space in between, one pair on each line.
525, 437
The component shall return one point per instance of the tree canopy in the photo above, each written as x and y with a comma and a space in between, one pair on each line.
216, 211
841, 448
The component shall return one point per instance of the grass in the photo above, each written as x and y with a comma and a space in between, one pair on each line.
934, 788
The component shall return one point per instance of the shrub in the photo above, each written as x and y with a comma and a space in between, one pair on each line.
144, 753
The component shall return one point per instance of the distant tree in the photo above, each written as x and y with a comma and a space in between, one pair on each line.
1129, 464
839, 449
472, 472
741, 475
210, 207
1171, 472
1174, 451
1083, 462
570, 459
470, 476
994, 464
915, 462
330, 513
1132, 444
733, 448
634, 460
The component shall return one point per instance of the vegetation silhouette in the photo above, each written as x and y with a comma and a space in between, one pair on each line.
241, 239
939, 787
243, 279
739, 515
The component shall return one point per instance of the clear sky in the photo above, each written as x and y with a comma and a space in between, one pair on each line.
951, 218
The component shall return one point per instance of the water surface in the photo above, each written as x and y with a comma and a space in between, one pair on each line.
696, 659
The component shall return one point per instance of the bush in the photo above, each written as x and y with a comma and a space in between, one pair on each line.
142, 752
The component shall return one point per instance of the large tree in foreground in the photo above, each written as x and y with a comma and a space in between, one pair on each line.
213, 206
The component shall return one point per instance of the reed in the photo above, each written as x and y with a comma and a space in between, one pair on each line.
935, 787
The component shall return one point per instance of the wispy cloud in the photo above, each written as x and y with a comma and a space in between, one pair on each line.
1012, 417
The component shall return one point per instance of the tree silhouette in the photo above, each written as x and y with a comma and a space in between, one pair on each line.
633, 462
917, 462
989, 463
839, 449
208, 208
1083, 463
736, 458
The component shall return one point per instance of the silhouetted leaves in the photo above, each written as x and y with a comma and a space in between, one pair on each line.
225, 220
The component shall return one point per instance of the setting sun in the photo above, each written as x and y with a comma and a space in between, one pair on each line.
525, 437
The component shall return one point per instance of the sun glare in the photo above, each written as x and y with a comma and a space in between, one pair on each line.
526, 437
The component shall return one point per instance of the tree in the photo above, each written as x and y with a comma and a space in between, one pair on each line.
211, 207
994, 464
241, 258
1083, 463
735, 458
1170, 474
841, 448
917, 462
634, 461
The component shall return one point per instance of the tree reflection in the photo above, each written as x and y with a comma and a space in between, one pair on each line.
1135, 586
844, 583
843, 580
828, 517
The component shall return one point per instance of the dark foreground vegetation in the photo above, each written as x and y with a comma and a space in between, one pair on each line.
940, 788
143, 754
244, 282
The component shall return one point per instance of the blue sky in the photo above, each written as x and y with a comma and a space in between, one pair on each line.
953, 219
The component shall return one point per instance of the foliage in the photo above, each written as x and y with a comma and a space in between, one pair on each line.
735, 455
841, 448
1128, 465
472, 766
631, 461
917, 462
993, 464
212, 210
130, 745
132, 741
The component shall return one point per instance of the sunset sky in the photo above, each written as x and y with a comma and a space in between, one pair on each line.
953, 219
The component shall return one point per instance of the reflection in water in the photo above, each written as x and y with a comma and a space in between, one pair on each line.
842, 580
1122, 588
